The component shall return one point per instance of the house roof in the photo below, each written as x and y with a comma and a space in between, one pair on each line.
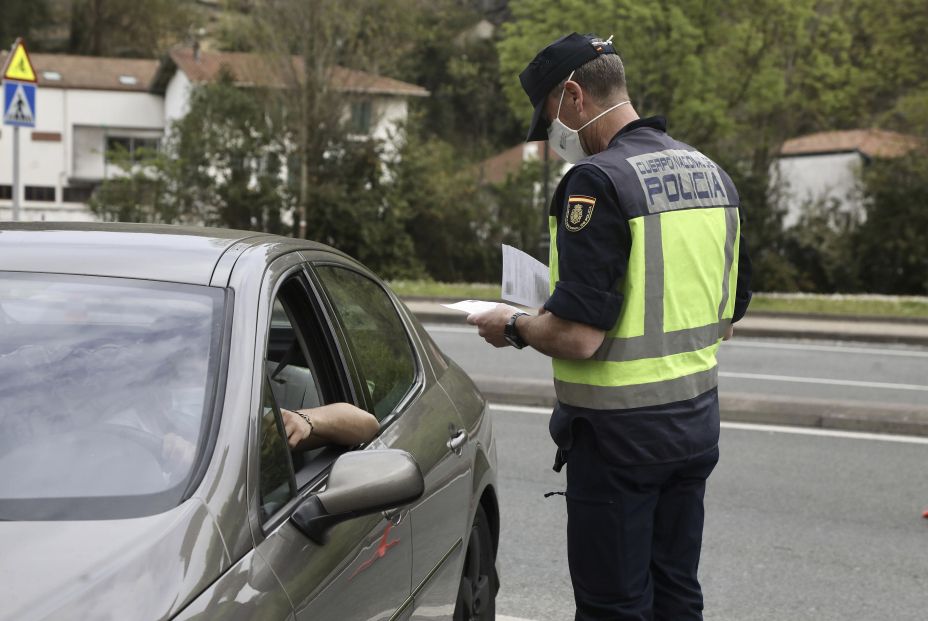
495, 169
92, 72
256, 70
870, 142
142, 75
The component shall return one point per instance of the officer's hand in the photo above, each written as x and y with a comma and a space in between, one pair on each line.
729, 332
490, 324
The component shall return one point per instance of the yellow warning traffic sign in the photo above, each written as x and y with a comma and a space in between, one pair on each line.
18, 66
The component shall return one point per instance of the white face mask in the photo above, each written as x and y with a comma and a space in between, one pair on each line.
566, 141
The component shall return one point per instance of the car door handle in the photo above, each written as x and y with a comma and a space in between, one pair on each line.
395, 516
457, 441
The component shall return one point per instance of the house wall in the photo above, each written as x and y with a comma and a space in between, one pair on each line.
177, 98
805, 179
389, 112
67, 146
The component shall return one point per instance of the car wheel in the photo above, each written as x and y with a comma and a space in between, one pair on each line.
479, 584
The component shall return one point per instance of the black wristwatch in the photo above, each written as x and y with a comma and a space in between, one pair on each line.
511, 334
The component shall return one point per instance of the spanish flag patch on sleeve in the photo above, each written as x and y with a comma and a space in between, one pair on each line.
579, 212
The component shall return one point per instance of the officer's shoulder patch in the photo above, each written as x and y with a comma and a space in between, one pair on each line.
579, 212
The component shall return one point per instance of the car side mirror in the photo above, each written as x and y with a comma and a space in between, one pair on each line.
360, 483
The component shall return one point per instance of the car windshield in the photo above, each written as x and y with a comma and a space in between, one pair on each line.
106, 385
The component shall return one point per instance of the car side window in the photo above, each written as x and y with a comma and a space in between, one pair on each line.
292, 383
292, 377
376, 335
276, 482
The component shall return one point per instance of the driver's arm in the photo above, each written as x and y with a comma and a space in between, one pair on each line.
336, 423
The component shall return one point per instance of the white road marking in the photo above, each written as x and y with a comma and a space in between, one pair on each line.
840, 349
822, 380
524, 409
505, 618
807, 431
832, 433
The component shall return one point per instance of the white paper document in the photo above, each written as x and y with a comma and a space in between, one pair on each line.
525, 278
471, 306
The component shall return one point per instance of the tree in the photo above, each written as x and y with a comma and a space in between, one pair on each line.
735, 80
23, 19
224, 164
820, 247
460, 68
892, 244
517, 206
137, 28
142, 192
232, 157
221, 164
305, 43
448, 223
357, 211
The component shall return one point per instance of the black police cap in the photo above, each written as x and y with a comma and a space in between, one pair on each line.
553, 64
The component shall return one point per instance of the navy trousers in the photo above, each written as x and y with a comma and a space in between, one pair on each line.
634, 535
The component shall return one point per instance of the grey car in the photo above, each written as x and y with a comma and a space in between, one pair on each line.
143, 470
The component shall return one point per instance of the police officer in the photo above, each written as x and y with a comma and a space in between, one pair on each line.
648, 272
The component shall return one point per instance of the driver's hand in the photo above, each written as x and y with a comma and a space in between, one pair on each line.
297, 429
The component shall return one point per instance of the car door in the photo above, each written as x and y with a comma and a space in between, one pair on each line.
418, 417
362, 571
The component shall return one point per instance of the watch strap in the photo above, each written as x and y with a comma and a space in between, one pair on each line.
511, 333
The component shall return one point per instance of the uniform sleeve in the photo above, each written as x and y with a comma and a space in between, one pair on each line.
743, 291
592, 251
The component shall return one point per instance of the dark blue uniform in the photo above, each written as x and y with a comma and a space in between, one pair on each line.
635, 477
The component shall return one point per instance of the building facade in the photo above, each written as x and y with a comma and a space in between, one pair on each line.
825, 167
84, 108
87, 107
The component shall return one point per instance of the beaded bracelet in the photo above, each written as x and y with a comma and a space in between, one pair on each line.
308, 422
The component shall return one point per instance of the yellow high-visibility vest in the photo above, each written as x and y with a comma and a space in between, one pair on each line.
679, 288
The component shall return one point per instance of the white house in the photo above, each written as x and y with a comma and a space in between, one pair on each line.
87, 106
84, 106
376, 104
825, 167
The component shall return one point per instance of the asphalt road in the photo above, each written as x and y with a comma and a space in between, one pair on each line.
879, 374
801, 524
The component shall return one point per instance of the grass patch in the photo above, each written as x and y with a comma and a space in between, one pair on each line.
800, 303
840, 304
446, 290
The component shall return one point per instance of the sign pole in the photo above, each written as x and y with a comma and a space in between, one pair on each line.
18, 82
15, 173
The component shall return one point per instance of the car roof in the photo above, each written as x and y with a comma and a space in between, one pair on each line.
174, 253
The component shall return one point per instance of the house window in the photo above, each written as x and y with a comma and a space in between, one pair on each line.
361, 116
79, 194
40, 193
6, 192
132, 145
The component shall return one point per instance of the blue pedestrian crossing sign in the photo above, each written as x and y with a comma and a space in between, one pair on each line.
19, 104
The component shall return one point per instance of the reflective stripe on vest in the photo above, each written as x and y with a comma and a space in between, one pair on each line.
678, 302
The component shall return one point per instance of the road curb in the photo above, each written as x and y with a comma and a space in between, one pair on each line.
747, 408
830, 335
